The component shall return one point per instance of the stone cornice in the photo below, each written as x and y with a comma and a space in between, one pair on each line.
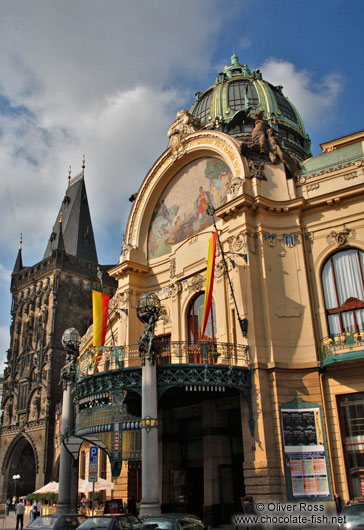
259, 204
126, 267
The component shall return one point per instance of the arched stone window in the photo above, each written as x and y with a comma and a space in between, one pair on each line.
343, 285
195, 315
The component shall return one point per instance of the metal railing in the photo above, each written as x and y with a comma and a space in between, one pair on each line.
100, 359
341, 343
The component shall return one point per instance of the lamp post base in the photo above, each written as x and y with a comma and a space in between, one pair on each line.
150, 507
63, 508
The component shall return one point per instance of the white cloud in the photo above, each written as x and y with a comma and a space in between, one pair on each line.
314, 100
90, 78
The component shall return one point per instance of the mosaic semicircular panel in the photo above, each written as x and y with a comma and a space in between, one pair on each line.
181, 209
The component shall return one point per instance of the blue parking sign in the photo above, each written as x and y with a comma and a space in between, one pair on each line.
94, 453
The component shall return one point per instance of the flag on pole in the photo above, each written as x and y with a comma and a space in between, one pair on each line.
209, 281
100, 308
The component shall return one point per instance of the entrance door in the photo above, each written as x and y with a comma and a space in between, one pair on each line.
195, 490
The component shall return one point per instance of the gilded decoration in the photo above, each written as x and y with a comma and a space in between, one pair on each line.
205, 139
181, 210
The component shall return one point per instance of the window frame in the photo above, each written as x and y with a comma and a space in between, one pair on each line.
349, 305
212, 319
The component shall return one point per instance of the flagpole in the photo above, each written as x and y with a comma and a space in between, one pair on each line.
242, 322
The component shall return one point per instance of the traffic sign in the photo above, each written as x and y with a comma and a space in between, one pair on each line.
94, 452
93, 467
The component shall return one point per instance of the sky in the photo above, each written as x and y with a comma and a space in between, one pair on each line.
105, 79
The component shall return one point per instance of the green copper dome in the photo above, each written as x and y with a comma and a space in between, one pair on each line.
238, 96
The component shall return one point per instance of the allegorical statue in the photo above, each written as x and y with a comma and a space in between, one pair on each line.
148, 310
185, 123
277, 154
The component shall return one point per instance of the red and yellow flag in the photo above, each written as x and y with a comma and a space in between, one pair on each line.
100, 307
209, 282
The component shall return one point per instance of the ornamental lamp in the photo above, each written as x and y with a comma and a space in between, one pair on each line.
71, 339
148, 306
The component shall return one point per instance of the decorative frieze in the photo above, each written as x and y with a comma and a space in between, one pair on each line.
352, 175
313, 186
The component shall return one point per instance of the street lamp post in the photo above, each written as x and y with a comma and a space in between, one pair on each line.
71, 341
148, 310
15, 479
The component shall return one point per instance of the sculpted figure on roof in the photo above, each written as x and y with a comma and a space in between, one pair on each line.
184, 124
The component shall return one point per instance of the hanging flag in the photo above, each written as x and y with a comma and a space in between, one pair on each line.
100, 307
209, 282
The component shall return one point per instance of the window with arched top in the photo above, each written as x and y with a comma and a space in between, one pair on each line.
343, 286
195, 315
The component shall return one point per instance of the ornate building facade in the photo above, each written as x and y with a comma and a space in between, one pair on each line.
47, 298
269, 402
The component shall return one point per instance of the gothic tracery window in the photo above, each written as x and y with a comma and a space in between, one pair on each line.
343, 286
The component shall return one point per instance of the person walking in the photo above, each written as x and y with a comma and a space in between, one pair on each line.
19, 512
35, 511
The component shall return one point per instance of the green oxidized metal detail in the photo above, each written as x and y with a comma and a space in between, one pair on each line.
199, 376
332, 161
280, 113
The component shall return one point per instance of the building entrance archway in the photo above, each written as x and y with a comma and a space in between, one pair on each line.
21, 462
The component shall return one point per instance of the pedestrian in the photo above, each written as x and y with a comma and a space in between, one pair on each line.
8, 506
84, 504
35, 512
19, 511
131, 506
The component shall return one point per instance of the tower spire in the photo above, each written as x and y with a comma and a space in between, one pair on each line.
19, 261
83, 165
69, 176
72, 231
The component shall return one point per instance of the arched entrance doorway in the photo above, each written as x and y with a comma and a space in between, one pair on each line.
21, 462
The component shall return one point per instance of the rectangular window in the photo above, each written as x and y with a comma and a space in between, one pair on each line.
102, 464
83, 465
23, 394
351, 414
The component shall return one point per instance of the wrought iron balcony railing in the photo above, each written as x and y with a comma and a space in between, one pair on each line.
100, 359
341, 344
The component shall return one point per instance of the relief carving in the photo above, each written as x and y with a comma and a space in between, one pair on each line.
340, 238
163, 316
174, 289
196, 283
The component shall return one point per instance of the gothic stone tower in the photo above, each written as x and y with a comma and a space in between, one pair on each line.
47, 298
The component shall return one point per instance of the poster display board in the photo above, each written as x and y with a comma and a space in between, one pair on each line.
304, 450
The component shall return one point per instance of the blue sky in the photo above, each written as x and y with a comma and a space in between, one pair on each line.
106, 78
